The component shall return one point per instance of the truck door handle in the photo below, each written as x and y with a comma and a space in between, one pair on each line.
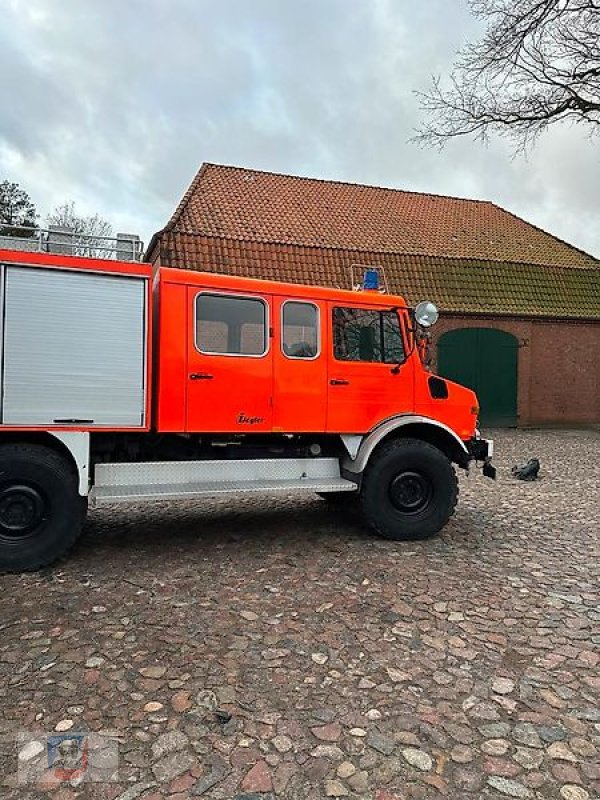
339, 382
201, 376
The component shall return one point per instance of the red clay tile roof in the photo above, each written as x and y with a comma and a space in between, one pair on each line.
459, 285
249, 205
466, 255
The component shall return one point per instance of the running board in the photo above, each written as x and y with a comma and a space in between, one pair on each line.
181, 480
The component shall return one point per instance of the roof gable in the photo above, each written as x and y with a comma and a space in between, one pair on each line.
249, 205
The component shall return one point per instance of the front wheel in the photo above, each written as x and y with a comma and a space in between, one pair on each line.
41, 512
409, 490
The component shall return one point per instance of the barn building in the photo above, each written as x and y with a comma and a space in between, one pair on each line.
520, 309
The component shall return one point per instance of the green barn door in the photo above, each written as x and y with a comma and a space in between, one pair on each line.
485, 360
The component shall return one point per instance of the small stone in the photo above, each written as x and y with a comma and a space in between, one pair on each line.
528, 759
328, 733
207, 700
508, 787
181, 702
456, 616
359, 732
397, 675
169, 742
334, 788
365, 683
330, 751
218, 769
346, 769
31, 751
373, 714
495, 747
583, 747
526, 734
153, 706
94, 662
173, 765
153, 672
551, 733
258, 779
406, 737
560, 751
250, 616
461, 754
495, 730
571, 792
320, 658
283, 744
564, 772
418, 758
383, 744
136, 790
64, 725
552, 698
359, 781
468, 779
502, 685
273, 653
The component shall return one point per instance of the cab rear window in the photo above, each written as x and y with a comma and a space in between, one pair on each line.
230, 325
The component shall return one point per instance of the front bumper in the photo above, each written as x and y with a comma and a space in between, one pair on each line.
483, 450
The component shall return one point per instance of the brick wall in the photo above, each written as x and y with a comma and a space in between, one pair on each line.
558, 366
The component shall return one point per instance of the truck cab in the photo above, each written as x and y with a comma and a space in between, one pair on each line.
186, 384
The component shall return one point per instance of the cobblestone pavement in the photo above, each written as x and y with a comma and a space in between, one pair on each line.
272, 648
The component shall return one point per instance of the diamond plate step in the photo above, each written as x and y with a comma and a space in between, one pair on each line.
180, 491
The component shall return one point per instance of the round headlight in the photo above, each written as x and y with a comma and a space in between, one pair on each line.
426, 313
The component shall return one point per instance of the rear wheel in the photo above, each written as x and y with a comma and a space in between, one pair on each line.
41, 512
409, 490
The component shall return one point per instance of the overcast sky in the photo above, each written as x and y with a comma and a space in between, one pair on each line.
115, 103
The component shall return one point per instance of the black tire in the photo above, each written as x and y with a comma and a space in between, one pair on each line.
41, 511
409, 490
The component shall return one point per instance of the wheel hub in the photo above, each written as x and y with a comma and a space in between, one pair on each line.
410, 492
22, 510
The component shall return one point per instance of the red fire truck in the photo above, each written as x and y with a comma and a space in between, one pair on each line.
122, 383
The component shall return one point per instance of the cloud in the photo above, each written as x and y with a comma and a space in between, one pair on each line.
115, 105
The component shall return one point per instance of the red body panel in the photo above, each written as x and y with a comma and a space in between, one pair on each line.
299, 385
267, 392
274, 393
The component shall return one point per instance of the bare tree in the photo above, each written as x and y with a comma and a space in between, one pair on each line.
91, 235
16, 209
537, 63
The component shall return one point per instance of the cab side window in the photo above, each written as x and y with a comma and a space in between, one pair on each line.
230, 325
299, 329
361, 334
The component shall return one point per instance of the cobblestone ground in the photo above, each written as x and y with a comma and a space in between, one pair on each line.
272, 648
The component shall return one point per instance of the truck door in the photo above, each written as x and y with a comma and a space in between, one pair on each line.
300, 366
368, 379
230, 367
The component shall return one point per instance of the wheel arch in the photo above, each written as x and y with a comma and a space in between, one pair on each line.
409, 426
74, 446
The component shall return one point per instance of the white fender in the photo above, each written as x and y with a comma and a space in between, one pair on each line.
378, 433
78, 444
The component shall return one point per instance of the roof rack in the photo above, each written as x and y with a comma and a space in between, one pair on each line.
65, 241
